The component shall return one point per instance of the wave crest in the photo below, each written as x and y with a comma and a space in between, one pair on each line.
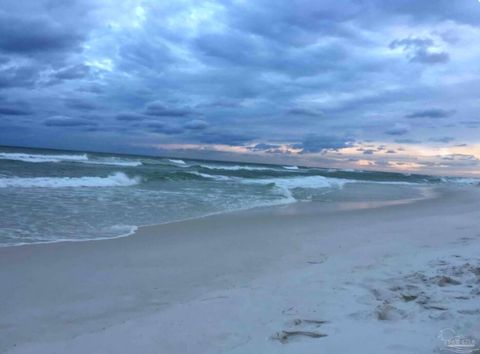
117, 179
177, 162
37, 158
462, 180
83, 158
236, 168
116, 162
287, 185
216, 178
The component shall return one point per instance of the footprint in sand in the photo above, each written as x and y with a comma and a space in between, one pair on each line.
322, 258
300, 328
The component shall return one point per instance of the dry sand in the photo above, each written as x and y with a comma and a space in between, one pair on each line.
292, 279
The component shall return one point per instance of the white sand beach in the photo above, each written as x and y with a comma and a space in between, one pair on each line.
239, 177
287, 279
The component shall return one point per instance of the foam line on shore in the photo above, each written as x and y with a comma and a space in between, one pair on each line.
117, 179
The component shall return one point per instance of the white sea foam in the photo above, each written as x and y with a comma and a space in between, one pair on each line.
117, 179
177, 162
303, 182
115, 162
461, 180
399, 183
37, 158
290, 167
236, 168
123, 230
287, 185
217, 178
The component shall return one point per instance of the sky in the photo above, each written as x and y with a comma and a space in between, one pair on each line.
366, 84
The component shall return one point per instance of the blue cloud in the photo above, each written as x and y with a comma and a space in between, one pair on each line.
431, 113
65, 122
315, 76
319, 143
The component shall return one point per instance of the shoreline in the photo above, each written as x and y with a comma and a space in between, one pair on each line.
240, 282
429, 192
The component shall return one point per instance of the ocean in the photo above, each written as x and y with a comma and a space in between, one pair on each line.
51, 195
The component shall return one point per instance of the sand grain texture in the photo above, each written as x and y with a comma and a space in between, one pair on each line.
383, 280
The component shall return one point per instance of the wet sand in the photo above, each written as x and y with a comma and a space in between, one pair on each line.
289, 279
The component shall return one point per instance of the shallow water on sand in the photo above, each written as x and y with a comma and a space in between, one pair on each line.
49, 195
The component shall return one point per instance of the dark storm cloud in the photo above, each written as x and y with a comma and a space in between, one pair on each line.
268, 148
159, 109
407, 141
443, 139
130, 117
397, 130
72, 72
81, 104
64, 121
163, 128
240, 49
13, 111
460, 157
144, 54
461, 160
196, 124
462, 11
24, 35
314, 76
223, 103
426, 57
431, 113
24, 76
316, 143
448, 36
232, 47
41, 40
420, 50
304, 112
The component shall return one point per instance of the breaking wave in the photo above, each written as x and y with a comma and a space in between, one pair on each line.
117, 179
461, 180
37, 158
306, 182
287, 185
83, 158
115, 162
177, 162
216, 178
236, 168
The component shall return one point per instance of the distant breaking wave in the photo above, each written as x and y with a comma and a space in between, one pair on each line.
236, 168
305, 182
117, 179
287, 185
461, 180
38, 158
115, 162
216, 178
177, 162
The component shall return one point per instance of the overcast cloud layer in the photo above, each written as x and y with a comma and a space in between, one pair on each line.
382, 84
